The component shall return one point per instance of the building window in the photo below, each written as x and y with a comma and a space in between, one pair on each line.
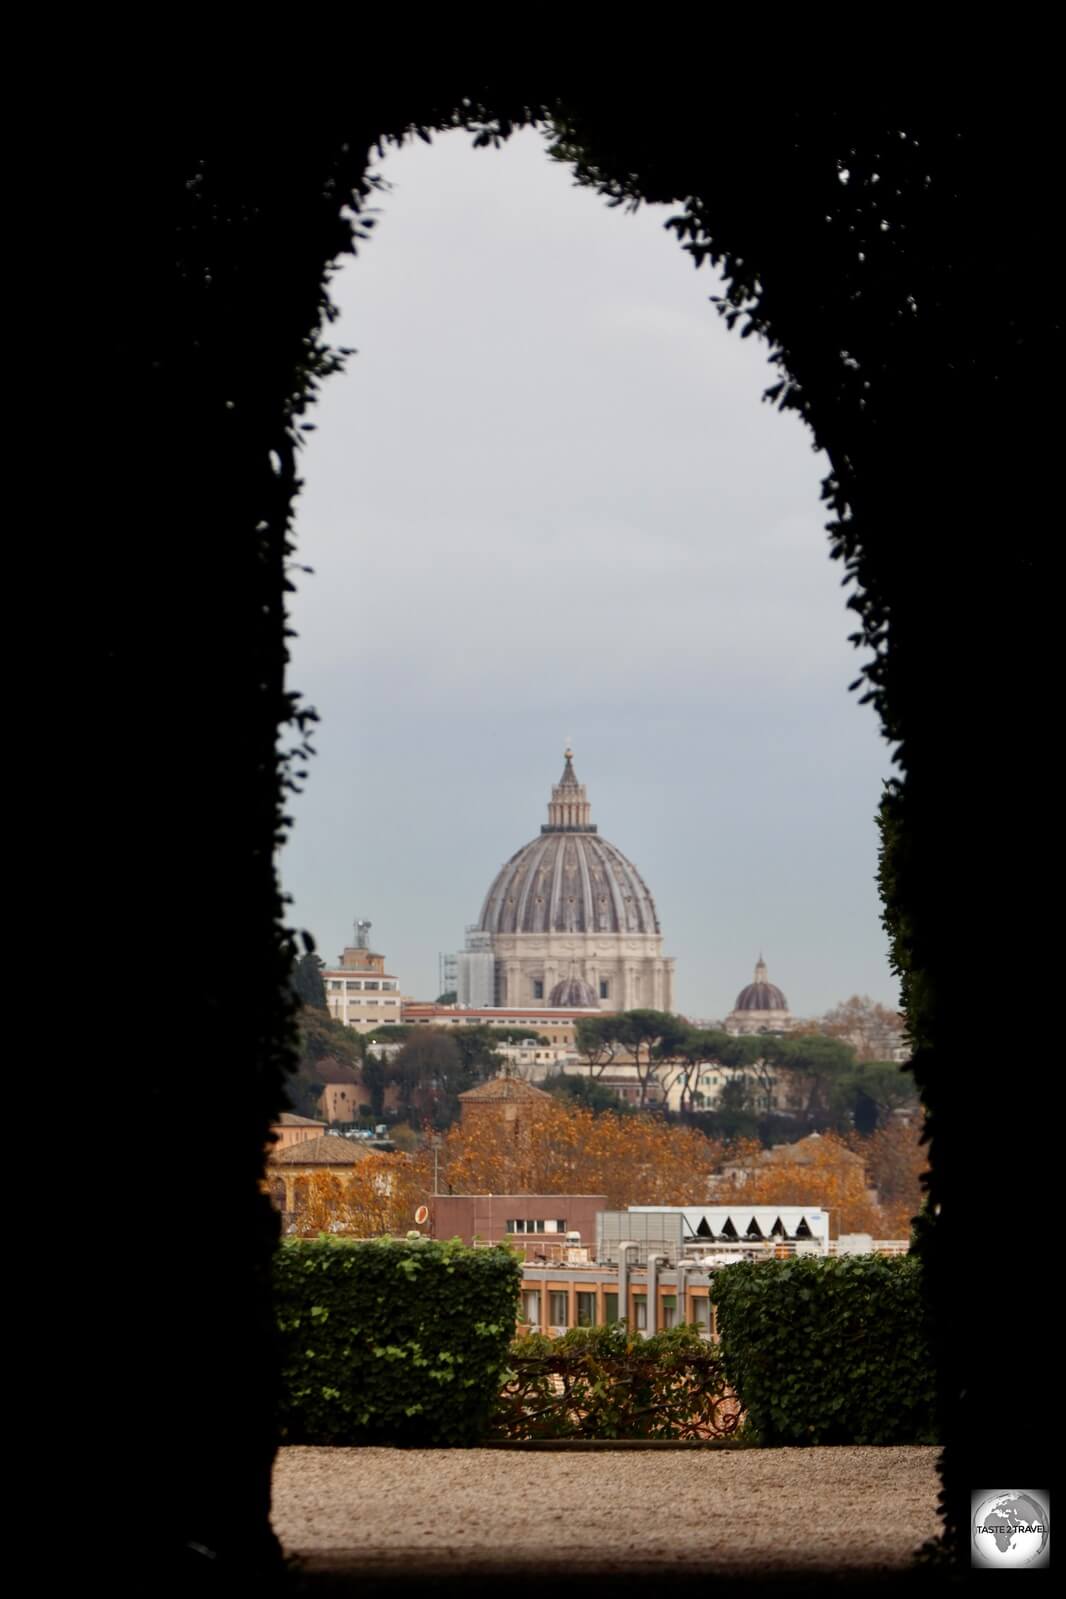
352, 987
538, 988
669, 1308
701, 1312
559, 1309
610, 1309
640, 1312
531, 1306
586, 1310
605, 988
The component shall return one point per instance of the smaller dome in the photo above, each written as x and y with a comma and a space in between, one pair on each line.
761, 994
573, 994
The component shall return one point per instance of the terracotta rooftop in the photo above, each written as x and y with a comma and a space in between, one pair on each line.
330, 1150
808, 1150
287, 1119
504, 1088
331, 1070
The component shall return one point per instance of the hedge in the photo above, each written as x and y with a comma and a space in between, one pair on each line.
392, 1342
829, 1351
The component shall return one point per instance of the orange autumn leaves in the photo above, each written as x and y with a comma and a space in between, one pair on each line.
827, 1180
375, 1198
633, 1160
558, 1149
642, 1160
879, 1192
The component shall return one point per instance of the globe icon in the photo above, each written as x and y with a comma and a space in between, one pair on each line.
1011, 1529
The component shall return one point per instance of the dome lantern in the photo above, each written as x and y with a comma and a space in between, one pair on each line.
568, 809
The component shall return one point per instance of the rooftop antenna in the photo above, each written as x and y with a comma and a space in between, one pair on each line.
362, 935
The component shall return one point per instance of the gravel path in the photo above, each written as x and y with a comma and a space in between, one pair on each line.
469, 1511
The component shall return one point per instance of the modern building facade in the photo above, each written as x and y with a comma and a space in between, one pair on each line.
555, 1298
570, 922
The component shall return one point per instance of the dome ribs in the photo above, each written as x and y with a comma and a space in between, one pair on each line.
527, 878
569, 900
597, 869
555, 916
588, 921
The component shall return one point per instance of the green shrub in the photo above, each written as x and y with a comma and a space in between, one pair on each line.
392, 1342
828, 1351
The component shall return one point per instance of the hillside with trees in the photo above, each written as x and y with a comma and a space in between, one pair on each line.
824, 1081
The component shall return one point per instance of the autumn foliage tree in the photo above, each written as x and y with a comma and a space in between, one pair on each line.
829, 1179
870, 1028
896, 1159
880, 1193
375, 1198
557, 1147
564, 1149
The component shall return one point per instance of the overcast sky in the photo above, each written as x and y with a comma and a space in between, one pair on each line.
545, 501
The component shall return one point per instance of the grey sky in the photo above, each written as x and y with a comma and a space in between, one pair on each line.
546, 501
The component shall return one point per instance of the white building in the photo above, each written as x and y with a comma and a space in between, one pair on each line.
360, 992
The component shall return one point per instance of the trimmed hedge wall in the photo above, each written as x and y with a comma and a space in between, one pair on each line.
829, 1351
392, 1342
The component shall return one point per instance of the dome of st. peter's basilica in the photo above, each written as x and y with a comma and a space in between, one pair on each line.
572, 923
